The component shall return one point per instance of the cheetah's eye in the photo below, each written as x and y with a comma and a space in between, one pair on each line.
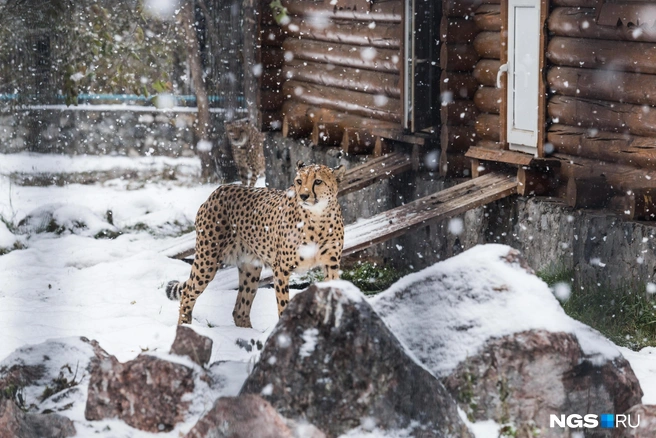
299, 182
318, 181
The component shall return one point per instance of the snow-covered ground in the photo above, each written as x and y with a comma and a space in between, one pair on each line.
69, 283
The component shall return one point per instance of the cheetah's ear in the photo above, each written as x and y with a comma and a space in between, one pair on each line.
339, 172
299, 164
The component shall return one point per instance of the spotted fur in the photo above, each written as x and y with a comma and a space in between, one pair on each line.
247, 145
293, 230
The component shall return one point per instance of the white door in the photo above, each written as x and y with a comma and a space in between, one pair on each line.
523, 74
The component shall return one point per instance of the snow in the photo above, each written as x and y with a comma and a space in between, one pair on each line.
67, 285
470, 298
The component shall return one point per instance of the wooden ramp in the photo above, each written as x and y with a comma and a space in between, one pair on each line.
356, 178
442, 205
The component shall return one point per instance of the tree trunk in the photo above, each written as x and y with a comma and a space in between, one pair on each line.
202, 127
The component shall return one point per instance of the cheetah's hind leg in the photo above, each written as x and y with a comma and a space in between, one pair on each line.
249, 278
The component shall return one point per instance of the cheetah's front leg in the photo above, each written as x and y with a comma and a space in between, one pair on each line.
331, 266
249, 278
281, 284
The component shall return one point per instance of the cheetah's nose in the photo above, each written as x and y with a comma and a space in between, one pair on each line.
304, 197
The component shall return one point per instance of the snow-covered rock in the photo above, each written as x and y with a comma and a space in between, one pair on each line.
16, 423
7, 238
494, 332
332, 361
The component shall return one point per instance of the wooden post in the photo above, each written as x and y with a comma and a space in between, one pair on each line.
535, 182
588, 192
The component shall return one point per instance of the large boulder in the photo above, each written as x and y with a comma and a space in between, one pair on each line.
247, 416
333, 362
189, 343
14, 422
148, 393
501, 342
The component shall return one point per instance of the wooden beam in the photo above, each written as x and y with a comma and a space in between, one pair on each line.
459, 112
485, 72
488, 99
614, 117
488, 127
348, 78
457, 139
588, 192
460, 8
458, 57
374, 170
378, 12
636, 88
602, 54
535, 182
358, 141
384, 35
578, 22
458, 85
361, 104
457, 30
502, 156
377, 59
488, 17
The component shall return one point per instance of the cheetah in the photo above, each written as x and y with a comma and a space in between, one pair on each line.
247, 145
293, 230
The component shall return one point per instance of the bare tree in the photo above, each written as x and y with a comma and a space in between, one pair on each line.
202, 126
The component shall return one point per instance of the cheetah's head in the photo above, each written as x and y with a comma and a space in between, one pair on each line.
237, 132
315, 185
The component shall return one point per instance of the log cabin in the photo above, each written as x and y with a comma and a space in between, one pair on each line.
558, 93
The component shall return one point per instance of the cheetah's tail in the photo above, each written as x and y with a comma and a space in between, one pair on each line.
174, 290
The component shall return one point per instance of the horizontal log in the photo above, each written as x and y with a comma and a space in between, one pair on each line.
597, 114
488, 45
358, 141
457, 30
378, 12
576, 3
457, 139
458, 57
488, 17
459, 85
372, 82
488, 99
459, 112
385, 35
639, 204
323, 125
582, 23
488, 127
607, 146
588, 192
535, 182
353, 102
602, 54
603, 85
386, 60
486, 71
460, 8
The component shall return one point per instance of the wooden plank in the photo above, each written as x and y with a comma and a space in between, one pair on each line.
501, 156
420, 213
374, 170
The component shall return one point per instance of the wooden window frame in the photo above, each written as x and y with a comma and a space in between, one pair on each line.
542, 88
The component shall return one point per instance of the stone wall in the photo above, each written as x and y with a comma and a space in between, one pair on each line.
76, 131
597, 247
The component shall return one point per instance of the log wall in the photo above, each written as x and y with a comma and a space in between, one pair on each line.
602, 83
341, 73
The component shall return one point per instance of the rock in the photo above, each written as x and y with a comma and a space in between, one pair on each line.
147, 392
333, 362
647, 427
16, 423
522, 379
247, 416
503, 345
189, 343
